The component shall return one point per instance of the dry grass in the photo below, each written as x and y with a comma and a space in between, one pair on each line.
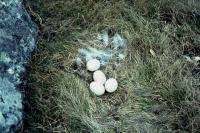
157, 93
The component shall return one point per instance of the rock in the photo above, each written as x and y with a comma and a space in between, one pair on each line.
17, 41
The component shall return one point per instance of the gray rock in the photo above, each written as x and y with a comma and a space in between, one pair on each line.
17, 41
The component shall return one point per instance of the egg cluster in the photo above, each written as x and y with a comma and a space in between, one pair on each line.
100, 85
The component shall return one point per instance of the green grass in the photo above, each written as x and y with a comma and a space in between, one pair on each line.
156, 93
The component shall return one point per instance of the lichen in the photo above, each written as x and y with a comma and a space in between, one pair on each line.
17, 41
10, 105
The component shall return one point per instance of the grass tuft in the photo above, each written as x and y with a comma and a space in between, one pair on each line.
157, 93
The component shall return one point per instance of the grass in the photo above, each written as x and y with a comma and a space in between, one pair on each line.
157, 93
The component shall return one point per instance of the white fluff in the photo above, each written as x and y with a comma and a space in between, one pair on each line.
111, 85
93, 65
99, 76
97, 88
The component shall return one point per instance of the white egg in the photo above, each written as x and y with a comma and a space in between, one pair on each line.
99, 76
111, 85
93, 65
97, 88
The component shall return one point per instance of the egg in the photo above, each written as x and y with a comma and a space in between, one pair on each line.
97, 88
93, 65
99, 76
111, 85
